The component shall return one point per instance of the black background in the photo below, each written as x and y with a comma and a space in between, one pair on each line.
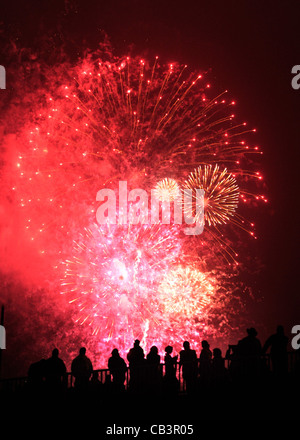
251, 47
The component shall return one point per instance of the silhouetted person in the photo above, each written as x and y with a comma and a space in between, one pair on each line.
278, 351
170, 363
82, 369
249, 352
136, 361
250, 345
136, 354
153, 374
188, 362
153, 358
118, 368
218, 370
55, 372
171, 383
205, 362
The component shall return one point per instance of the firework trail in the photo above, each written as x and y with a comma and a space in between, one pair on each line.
155, 127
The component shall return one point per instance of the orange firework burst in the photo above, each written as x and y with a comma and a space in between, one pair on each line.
167, 190
186, 291
221, 193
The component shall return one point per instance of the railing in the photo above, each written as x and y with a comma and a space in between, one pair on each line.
104, 374
13, 384
17, 383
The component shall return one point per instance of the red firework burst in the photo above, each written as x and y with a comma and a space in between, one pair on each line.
106, 121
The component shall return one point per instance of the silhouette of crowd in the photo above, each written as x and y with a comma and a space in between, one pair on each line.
245, 379
245, 361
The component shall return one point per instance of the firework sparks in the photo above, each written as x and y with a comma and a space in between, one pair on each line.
186, 291
167, 190
113, 272
221, 193
109, 121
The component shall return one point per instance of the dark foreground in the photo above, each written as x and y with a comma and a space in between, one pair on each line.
267, 400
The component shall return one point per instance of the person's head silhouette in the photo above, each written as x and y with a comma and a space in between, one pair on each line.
205, 344
154, 349
82, 351
186, 345
252, 332
55, 353
136, 343
115, 352
217, 353
169, 349
280, 330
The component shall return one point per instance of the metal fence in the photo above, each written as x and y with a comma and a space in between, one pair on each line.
104, 374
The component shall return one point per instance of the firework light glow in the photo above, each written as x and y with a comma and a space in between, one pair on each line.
221, 193
102, 121
185, 290
167, 190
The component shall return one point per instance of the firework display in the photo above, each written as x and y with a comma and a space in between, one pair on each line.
221, 193
158, 128
167, 190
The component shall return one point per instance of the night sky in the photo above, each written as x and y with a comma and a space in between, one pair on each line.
250, 47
